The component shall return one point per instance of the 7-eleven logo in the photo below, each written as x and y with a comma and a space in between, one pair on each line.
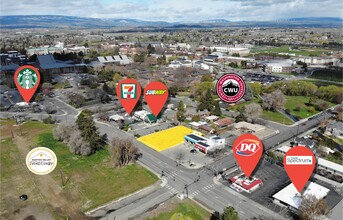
128, 91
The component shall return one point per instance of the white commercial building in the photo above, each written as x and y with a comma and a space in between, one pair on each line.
291, 198
330, 166
118, 59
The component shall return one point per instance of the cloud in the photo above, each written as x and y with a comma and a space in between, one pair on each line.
178, 10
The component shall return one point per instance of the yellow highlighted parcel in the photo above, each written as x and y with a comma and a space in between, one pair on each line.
165, 139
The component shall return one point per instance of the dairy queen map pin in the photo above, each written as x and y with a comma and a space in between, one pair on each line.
299, 163
128, 92
156, 95
27, 79
247, 150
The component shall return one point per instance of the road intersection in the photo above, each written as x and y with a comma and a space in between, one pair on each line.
198, 184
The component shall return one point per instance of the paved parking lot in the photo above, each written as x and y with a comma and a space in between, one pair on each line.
181, 154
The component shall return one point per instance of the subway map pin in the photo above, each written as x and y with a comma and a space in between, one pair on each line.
156, 95
128, 92
299, 163
27, 79
247, 150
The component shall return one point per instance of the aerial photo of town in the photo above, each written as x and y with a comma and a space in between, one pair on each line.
170, 110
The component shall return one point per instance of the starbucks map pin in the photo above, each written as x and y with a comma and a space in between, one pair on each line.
27, 79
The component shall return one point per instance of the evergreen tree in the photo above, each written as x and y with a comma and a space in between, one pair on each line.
206, 101
217, 111
180, 114
229, 214
89, 131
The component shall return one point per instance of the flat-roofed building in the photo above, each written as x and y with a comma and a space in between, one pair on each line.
291, 198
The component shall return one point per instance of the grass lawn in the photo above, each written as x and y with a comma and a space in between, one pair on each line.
268, 115
277, 117
294, 101
236, 107
93, 181
186, 210
285, 49
107, 183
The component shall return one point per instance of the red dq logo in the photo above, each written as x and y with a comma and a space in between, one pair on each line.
247, 147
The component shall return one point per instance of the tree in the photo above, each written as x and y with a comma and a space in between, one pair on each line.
206, 101
123, 152
235, 55
206, 78
63, 131
49, 107
273, 101
180, 114
229, 214
256, 88
244, 63
248, 95
252, 111
150, 49
76, 99
105, 88
77, 145
217, 111
89, 131
313, 208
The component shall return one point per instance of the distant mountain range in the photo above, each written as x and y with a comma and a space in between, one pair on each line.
59, 21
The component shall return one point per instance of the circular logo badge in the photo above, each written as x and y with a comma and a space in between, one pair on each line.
41, 160
230, 88
27, 78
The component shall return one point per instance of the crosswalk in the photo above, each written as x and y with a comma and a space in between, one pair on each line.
204, 189
171, 190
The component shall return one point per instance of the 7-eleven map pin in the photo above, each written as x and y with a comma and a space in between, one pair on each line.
299, 163
156, 94
128, 92
247, 149
27, 80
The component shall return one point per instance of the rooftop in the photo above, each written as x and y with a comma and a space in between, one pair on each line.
292, 197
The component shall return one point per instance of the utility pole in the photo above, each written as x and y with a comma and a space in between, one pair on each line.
186, 188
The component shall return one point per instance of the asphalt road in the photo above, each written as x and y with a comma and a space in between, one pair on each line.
204, 190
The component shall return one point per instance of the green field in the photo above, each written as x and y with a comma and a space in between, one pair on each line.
285, 49
328, 74
268, 115
92, 180
300, 101
107, 183
186, 210
277, 117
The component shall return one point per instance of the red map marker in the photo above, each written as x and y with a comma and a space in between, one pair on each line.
299, 163
247, 150
27, 79
156, 94
128, 92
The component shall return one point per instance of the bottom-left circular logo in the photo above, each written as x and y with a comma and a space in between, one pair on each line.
41, 160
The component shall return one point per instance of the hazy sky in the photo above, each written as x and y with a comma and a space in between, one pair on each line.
177, 10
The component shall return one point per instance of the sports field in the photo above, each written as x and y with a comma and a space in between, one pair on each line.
163, 140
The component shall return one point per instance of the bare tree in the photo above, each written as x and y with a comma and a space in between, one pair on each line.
63, 131
252, 111
123, 152
179, 156
274, 101
77, 145
76, 99
49, 107
313, 208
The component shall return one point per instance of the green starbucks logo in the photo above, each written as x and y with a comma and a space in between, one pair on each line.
27, 78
